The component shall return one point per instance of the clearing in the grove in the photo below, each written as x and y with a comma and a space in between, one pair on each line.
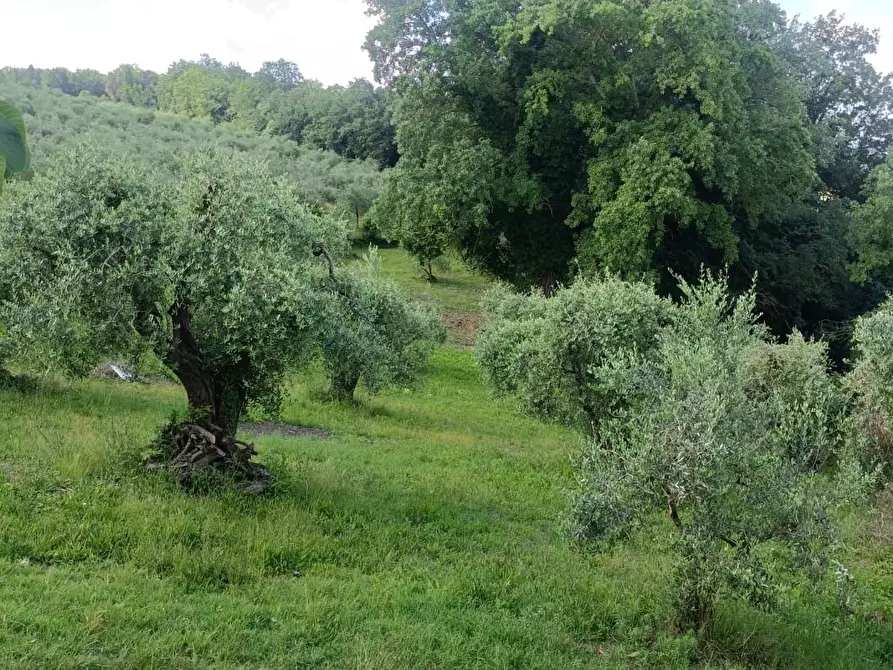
408, 530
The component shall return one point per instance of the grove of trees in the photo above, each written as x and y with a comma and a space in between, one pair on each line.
58, 122
688, 205
552, 139
353, 121
690, 409
219, 270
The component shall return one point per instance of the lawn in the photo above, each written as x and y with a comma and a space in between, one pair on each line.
425, 532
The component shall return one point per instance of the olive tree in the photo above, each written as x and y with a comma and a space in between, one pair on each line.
214, 272
716, 459
559, 356
378, 334
691, 411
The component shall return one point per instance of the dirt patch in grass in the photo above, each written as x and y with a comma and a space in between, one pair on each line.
462, 327
270, 428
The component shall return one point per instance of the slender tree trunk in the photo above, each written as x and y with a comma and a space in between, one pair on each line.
344, 384
549, 284
429, 273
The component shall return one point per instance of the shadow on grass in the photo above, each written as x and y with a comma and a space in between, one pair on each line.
805, 634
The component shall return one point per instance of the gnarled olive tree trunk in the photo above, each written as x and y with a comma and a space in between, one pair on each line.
216, 397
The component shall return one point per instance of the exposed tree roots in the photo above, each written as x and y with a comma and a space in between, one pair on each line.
191, 452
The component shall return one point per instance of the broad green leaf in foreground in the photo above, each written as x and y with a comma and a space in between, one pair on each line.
13, 141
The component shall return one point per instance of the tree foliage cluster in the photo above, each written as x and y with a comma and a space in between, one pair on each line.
551, 139
353, 121
15, 155
691, 407
872, 383
378, 334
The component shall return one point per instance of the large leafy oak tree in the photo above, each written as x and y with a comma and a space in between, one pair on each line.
627, 135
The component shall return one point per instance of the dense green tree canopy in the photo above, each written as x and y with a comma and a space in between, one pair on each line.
281, 73
653, 131
873, 225
130, 84
352, 121
199, 89
848, 103
803, 259
553, 138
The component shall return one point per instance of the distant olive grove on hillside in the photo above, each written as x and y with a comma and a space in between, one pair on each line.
57, 122
353, 121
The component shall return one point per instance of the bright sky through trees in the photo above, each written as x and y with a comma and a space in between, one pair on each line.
324, 37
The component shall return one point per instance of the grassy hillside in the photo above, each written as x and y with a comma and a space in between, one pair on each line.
457, 293
56, 121
424, 532
415, 529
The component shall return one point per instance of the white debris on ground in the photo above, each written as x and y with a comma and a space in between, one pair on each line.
112, 371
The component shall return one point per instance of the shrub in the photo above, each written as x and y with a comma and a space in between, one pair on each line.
871, 381
805, 404
690, 409
574, 358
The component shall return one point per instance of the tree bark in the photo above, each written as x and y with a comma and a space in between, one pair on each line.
429, 273
549, 284
344, 384
216, 397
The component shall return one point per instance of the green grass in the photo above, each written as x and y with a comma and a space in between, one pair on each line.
457, 289
426, 533
457, 293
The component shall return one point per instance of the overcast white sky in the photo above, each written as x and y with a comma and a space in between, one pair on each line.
324, 37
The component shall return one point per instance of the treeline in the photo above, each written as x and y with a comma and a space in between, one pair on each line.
353, 121
551, 140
